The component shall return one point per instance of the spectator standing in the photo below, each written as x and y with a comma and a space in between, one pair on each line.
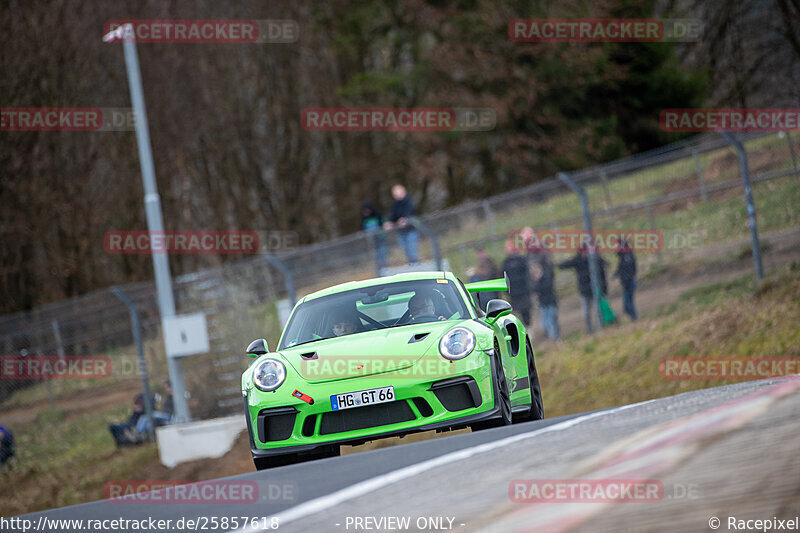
544, 287
6, 444
516, 266
372, 223
580, 262
402, 210
485, 269
626, 272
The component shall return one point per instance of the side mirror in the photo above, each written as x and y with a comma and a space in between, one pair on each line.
257, 347
497, 308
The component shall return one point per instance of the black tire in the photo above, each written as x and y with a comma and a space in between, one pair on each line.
537, 406
501, 393
263, 463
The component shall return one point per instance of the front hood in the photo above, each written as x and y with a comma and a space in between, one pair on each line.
364, 354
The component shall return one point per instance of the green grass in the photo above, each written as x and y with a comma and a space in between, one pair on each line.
723, 217
65, 459
621, 364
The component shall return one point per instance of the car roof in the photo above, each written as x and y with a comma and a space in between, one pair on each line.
405, 276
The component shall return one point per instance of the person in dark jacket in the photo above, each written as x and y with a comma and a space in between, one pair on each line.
544, 287
402, 211
580, 262
626, 272
6, 444
372, 222
485, 270
516, 266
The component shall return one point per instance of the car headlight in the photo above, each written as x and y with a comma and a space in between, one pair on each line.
269, 375
457, 343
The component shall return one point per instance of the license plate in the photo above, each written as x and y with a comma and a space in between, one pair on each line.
348, 400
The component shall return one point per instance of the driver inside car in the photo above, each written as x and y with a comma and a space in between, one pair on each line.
344, 326
421, 308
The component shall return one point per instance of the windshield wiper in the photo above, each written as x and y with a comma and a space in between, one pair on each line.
302, 343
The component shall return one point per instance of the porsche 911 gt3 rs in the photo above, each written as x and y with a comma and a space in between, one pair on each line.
385, 357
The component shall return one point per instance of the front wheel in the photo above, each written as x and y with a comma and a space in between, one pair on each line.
537, 406
501, 394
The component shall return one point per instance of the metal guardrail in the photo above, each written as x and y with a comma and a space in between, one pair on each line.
97, 323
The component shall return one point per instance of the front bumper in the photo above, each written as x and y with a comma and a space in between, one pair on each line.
289, 425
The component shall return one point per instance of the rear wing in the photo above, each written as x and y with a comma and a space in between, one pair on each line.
490, 285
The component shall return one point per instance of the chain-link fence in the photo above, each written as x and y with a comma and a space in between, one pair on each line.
679, 190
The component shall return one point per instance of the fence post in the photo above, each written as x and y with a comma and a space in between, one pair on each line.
594, 267
748, 197
609, 203
288, 277
652, 219
464, 257
434, 238
487, 212
137, 340
59, 352
791, 151
699, 170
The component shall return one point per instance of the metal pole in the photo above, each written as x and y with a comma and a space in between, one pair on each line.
372, 246
59, 351
137, 340
699, 170
748, 196
487, 213
609, 203
594, 267
152, 204
288, 277
431, 234
791, 151
653, 228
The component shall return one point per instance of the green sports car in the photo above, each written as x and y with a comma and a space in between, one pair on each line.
386, 357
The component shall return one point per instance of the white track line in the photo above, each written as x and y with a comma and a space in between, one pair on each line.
369, 485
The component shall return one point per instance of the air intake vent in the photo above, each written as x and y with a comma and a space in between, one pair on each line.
309, 355
418, 337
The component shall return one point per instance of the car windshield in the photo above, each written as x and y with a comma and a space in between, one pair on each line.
372, 308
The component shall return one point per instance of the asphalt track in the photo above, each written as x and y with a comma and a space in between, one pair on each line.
725, 452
